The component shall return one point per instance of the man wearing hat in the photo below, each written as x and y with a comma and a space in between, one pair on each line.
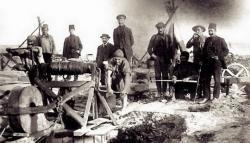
47, 43
123, 37
72, 46
213, 54
185, 71
162, 52
104, 53
197, 42
119, 76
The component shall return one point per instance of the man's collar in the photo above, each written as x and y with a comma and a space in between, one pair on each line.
105, 44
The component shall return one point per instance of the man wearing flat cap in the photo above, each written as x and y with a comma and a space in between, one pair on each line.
104, 53
72, 46
161, 50
197, 42
47, 43
119, 76
123, 37
213, 54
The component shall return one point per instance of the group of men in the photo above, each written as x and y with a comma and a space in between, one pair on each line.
209, 57
114, 61
118, 56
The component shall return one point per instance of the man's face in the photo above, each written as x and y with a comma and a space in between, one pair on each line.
183, 59
29, 43
121, 21
71, 31
105, 40
118, 60
45, 31
211, 31
161, 30
199, 30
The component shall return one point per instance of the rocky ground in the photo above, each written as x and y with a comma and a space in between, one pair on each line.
156, 120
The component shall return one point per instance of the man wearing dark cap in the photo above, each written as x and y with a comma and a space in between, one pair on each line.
123, 37
119, 76
104, 53
185, 71
197, 42
162, 52
214, 52
72, 46
47, 43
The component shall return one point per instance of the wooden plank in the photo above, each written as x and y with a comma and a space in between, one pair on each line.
87, 108
58, 84
27, 110
102, 130
106, 106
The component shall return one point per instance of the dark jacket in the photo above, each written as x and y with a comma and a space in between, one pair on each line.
197, 45
123, 39
185, 69
160, 45
71, 46
104, 53
216, 48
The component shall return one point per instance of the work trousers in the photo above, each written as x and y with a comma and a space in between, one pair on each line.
161, 73
211, 67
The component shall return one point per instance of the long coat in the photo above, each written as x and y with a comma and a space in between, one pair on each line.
72, 44
161, 46
123, 39
215, 46
104, 53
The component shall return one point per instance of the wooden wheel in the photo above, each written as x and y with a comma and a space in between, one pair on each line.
235, 70
27, 97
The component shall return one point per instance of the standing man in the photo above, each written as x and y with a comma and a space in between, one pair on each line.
119, 76
72, 47
197, 42
123, 38
214, 52
162, 52
104, 53
47, 43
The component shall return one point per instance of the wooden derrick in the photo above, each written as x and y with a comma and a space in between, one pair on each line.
27, 97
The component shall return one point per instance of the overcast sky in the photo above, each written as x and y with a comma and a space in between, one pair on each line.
94, 17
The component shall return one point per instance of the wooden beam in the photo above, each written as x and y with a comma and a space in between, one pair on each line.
27, 110
58, 84
106, 106
87, 108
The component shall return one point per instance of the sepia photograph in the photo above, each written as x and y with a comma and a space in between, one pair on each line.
124, 71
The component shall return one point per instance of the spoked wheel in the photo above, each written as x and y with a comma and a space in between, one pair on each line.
235, 70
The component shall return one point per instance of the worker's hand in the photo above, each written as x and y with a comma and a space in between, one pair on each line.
124, 92
106, 64
174, 79
64, 59
186, 79
110, 91
154, 56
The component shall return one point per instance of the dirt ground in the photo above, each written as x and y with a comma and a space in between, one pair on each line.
227, 121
